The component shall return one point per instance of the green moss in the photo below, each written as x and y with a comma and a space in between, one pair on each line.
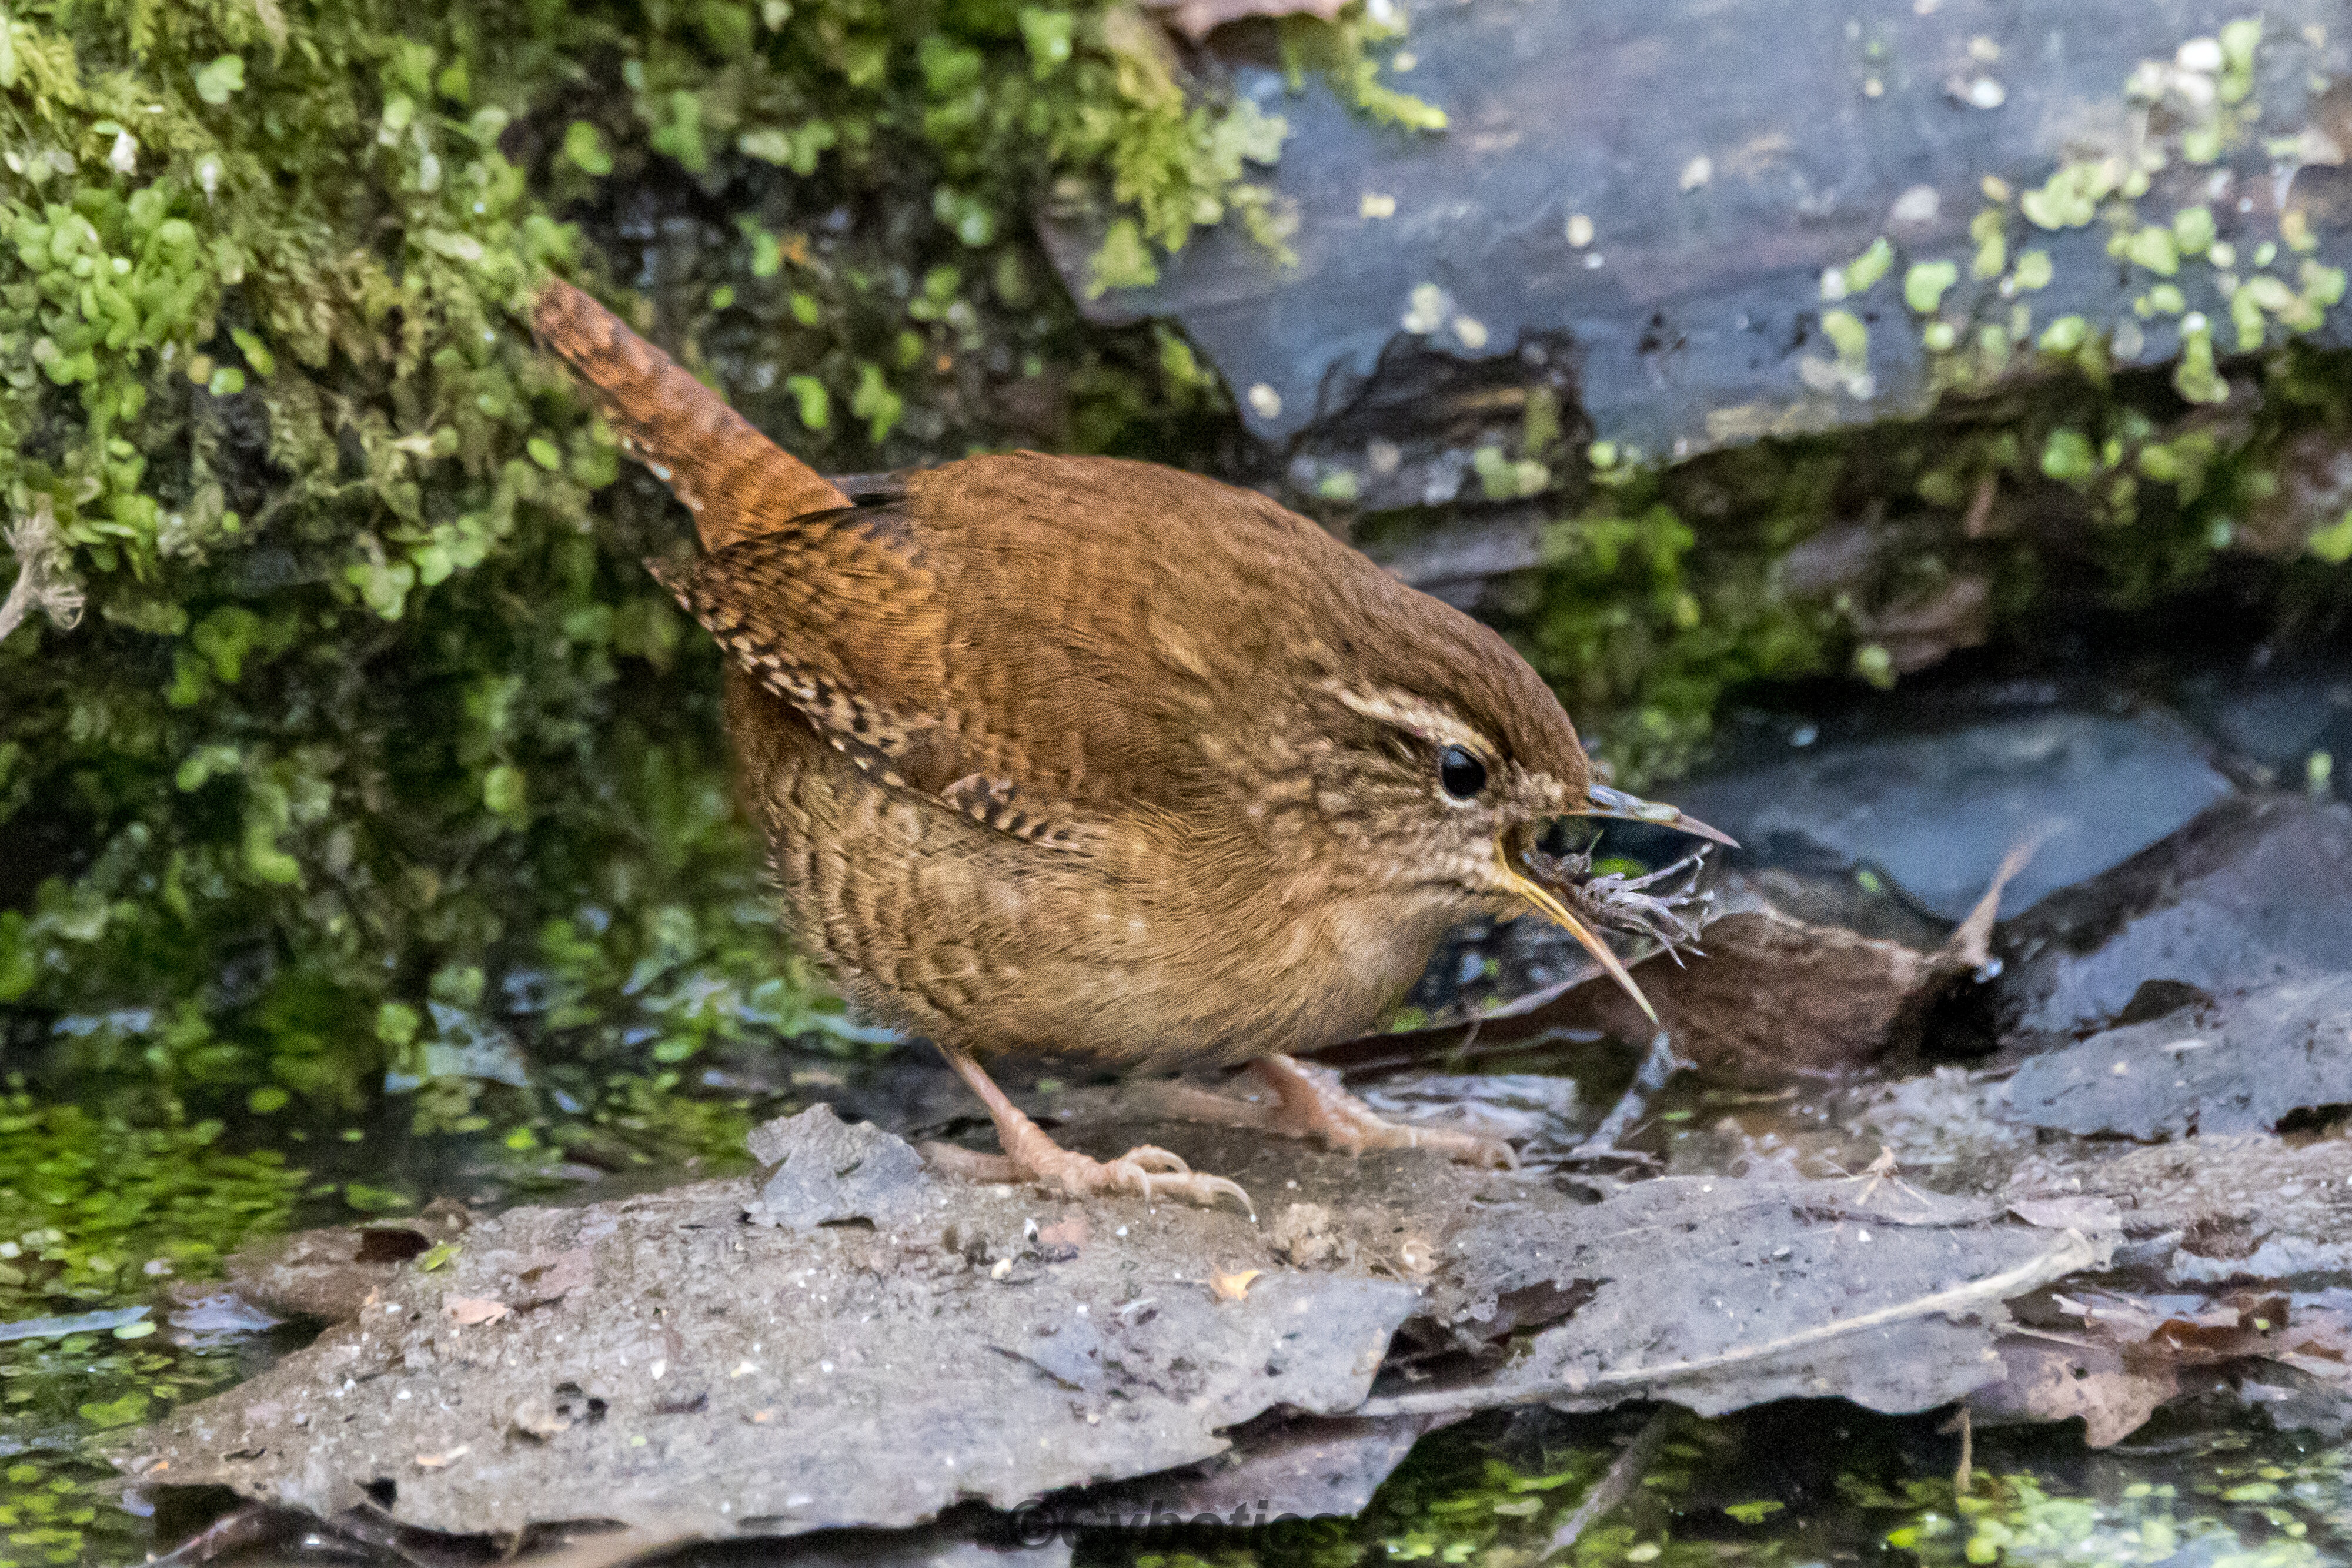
373, 689
1669, 590
1644, 631
95, 1214
1925, 285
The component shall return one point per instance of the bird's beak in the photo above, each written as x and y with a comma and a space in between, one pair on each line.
1544, 899
1625, 807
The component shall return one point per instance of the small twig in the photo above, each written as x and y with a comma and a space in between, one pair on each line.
42, 582
1656, 1068
1616, 1483
1961, 1475
1972, 943
2075, 1251
240, 1529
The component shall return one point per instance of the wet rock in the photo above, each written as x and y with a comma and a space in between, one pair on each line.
2275, 722
1878, 1293
775, 1381
2264, 1058
1936, 813
828, 1172
2190, 1225
1650, 198
696, 1372
2240, 1208
1456, 564
2225, 1209
2256, 892
327, 1273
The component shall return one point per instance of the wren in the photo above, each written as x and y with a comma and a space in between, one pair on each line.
1098, 757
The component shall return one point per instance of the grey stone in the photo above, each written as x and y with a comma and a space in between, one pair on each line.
1692, 319
1718, 1293
2256, 892
2276, 722
1935, 812
1297, 1468
829, 1171
2266, 1057
776, 1381
660, 1362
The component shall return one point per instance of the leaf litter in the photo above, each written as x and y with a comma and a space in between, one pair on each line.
949, 1353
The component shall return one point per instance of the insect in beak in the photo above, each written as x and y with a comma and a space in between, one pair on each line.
1544, 899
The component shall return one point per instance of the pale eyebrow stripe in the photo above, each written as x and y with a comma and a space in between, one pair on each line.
1415, 716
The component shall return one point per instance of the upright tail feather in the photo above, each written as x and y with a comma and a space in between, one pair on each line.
735, 481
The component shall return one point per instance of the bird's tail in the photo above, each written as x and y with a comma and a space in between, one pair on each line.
735, 481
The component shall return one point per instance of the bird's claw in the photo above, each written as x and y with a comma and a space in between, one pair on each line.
1150, 1172
1154, 1171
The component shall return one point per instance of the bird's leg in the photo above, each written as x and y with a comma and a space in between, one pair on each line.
1312, 1105
1030, 1156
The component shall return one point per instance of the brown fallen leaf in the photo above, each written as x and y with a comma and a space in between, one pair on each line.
469, 1310
1233, 1287
1775, 994
435, 1461
2112, 1359
1062, 1239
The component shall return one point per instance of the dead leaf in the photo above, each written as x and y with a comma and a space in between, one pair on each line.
469, 1310
1060, 1241
1235, 1286
2049, 1379
2112, 1358
1773, 992
1776, 993
435, 1461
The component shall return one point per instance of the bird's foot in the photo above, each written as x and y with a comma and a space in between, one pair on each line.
1154, 1173
1032, 1156
1312, 1105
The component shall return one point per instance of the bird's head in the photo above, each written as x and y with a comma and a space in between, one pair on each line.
1449, 762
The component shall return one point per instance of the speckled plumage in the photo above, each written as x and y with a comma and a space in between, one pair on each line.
1085, 755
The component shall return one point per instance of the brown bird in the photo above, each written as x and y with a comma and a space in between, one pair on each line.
1099, 758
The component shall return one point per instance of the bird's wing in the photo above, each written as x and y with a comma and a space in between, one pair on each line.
838, 617
1026, 638
947, 645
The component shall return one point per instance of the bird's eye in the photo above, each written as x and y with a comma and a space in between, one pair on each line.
1460, 774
